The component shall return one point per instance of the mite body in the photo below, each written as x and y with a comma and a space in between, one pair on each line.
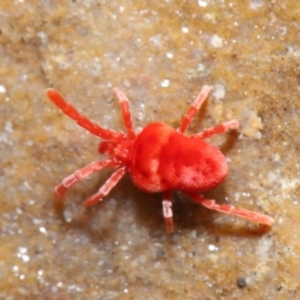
159, 158
163, 159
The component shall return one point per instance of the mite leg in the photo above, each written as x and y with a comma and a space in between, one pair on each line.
231, 210
81, 120
106, 188
125, 111
80, 174
221, 128
193, 109
167, 212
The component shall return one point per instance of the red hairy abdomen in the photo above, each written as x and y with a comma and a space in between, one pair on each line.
163, 159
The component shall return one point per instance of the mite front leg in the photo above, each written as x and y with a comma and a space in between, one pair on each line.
193, 109
218, 129
80, 174
231, 210
167, 212
125, 111
106, 188
81, 120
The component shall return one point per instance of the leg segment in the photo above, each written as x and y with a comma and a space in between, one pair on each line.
125, 112
167, 212
221, 128
193, 109
81, 120
80, 174
106, 188
231, 210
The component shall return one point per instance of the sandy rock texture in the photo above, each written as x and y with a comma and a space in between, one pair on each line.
160, 54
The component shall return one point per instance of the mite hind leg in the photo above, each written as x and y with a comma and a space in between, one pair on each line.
231, 210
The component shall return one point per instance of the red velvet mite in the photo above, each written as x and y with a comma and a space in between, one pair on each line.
159, 158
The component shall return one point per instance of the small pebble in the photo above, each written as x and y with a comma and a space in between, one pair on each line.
241, 282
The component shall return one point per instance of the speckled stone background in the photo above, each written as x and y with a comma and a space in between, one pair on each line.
160, 54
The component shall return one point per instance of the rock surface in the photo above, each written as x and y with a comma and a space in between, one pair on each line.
160, 55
